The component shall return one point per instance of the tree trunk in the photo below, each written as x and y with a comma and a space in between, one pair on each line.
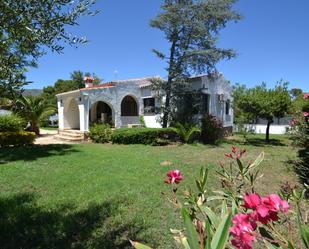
169, 84
167, 107
35, 128
269, 122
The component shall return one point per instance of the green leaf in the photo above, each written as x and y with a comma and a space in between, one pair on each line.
138, 245
304, 230
208, 235
257, 161
214, 219
290, 245
234, 207
184, 242
222, 233
305, 235
193, 239
223, 208
240, 166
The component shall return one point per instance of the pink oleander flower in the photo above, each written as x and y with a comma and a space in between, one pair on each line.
173, 176
306, 114
229, 155
236, 154
275, 203
306, 96
252, 201
264, 209
243, 231
234, 149
293, 122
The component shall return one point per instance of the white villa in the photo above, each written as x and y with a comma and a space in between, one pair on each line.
123, 102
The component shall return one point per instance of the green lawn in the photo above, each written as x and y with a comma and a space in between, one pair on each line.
50, 128
99, 196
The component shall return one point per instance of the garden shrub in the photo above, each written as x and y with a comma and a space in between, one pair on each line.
16, 138
300, 135
149, 136
187, 132
142, 121
11, 123
100, 133
212, 129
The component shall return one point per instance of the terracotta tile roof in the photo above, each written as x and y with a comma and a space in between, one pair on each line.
105, 85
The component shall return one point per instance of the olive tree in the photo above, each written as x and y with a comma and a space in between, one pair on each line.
28, 28
261, 102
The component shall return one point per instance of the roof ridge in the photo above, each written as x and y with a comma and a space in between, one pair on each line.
138, 79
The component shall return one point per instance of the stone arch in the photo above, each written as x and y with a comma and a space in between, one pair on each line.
102, 112
129, 106
71, 114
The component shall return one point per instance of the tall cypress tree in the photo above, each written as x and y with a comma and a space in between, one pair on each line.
192, 27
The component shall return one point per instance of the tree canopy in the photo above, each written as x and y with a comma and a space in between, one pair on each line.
261, 102
75, 82
28, 28
192, 30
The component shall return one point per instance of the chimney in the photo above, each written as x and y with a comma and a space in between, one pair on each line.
88, 82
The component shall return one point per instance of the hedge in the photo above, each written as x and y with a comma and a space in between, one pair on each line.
100, 133
19, 138
11, 123
149, 136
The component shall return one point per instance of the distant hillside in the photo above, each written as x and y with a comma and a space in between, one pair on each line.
32, 92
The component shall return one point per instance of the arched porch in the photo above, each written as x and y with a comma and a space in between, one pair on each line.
71, 115
129, 111
101, 112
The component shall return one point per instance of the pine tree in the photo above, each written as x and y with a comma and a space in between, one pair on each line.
191, 28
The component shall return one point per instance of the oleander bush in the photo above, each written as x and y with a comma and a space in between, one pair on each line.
147, 136
100, 133
211, 130
235, 215
11, 123
300, 136
16, 138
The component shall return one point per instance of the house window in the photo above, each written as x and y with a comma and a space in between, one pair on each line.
205, 104
149, 106
227, 107
129, 107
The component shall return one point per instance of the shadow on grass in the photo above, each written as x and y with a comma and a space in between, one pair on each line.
301, 168
31, 153
23, 224
258, 142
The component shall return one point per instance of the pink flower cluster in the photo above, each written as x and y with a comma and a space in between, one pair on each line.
173, 176
306, 96
306, 114
263, 210
236, 154
293, 122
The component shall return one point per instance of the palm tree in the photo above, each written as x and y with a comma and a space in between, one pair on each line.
186, 131
33, 110
5, 103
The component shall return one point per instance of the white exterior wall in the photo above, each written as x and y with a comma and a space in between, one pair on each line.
261, 129
72, 114
214, 88
71, 117
152, 121
60, 116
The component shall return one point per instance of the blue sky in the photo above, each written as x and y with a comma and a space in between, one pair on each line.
272, 42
